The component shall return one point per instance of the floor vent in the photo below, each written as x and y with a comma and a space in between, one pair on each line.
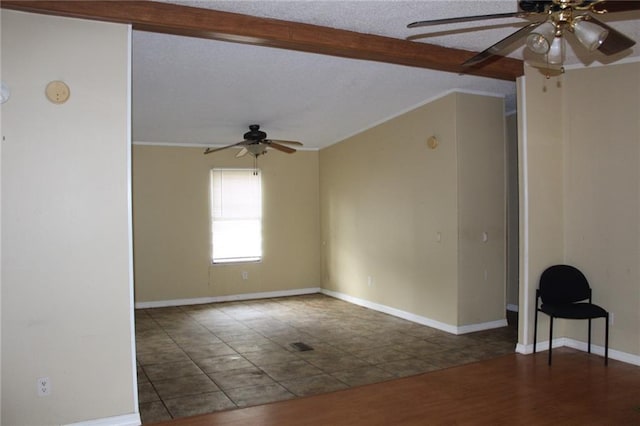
301, 346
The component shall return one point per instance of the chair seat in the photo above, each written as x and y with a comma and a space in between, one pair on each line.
574, 310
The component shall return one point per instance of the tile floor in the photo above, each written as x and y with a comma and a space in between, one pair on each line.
203, 358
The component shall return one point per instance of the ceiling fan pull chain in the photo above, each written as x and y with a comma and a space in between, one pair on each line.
547, 73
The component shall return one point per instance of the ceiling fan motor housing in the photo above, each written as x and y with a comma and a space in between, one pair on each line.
542, 6
255, 134
533, 6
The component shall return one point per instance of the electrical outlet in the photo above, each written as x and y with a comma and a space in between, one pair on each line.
245, 275
44, 386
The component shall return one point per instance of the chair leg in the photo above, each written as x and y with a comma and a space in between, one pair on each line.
550, 336
606, 340
589, 344
535, 331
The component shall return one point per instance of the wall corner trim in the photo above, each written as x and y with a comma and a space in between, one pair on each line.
471, 328
125, 420
540, 346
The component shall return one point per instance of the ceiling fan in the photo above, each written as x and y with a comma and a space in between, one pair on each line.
256, 143
553, 20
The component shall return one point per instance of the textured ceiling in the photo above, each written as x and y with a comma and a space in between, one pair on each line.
205, 93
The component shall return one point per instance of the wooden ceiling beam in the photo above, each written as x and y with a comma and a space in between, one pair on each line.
212, 24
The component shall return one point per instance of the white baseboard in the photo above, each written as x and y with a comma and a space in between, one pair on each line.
599, 350
581, 346
512, 308
230, 298
415, 318
126, 420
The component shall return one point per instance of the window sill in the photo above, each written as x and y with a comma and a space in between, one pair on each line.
236, 261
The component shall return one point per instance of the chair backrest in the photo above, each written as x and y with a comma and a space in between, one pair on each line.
563, 284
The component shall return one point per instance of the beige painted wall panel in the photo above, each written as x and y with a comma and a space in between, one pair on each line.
170, 223
582, 155
66, 305
481, 208
172, 228
512, 210
603, 196
384, 197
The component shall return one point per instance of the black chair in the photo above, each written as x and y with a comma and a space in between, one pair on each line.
562, 287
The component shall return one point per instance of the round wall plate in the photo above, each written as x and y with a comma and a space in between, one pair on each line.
57, 92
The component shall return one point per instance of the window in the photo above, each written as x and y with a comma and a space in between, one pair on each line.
236, 215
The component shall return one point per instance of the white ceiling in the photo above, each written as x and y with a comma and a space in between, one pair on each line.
201, 92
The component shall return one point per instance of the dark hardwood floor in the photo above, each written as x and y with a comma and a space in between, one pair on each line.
513, 389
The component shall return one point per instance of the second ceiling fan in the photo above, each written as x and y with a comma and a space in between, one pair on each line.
256, 143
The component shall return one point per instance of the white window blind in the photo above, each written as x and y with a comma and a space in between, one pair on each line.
236, 215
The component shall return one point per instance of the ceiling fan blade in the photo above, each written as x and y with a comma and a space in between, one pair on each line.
242, 152
499, 46
469, 19
279, 147
617, 6
209, 150
281, 141
615, 42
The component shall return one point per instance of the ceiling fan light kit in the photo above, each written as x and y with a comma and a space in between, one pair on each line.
540, 39
555, 56
546, 37
589, 34
257, 149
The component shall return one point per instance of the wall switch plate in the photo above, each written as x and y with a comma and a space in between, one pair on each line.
44, 386
245, 275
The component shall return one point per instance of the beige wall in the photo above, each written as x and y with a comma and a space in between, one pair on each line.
171, 225
481, 208
581, 153
512, 210
602, 195
66, 283
385, 197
